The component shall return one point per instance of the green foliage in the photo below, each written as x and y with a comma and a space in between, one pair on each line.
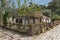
57, 11
55, 17
5, 18
29, 9
18, 3
55, 6
47, 12
0, 11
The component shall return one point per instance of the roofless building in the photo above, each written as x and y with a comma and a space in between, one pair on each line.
29, 23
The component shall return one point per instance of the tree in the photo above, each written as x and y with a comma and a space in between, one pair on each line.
18, 3
47, 12
2, 8
25, 1
55, 6
5, 5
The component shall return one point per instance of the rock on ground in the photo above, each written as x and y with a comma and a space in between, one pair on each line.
53, 34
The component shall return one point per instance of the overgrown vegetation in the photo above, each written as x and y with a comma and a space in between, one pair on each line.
5, 16
52, 10
54, 6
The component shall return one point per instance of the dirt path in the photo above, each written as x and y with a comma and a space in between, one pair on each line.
53, 34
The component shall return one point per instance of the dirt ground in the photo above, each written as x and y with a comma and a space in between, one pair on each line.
53, 34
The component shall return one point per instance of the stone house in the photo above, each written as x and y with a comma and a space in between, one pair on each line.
27, 22
26, 19
35, 18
